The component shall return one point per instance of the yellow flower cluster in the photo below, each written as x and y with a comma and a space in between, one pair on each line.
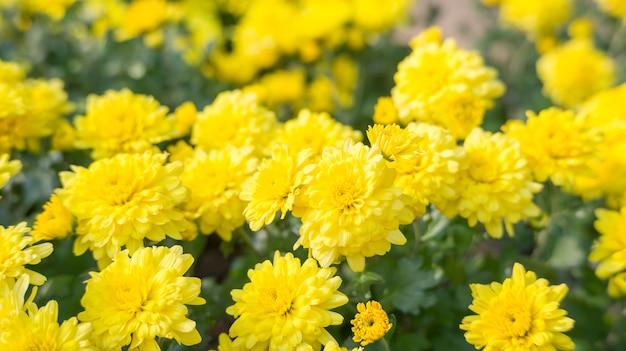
444, 85
17, 249
31, 108
55, 9
536, 18
522, 313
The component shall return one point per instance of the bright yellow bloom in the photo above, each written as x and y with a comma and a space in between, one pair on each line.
385, 111
121, 201
376, 15
55, 222
185, 115
351, 207
234, 118
610, 249
31, 110
122, 122
215, 179
604, 111
536, 18
143, 16
439, 83
17, 250
12, 299
39, 329
615, 8
275, 185
522, 313
558, 144
54, 9
286, 305
64, 136
140, 297
426, 159
280, 87
495, 187
370, 323
8, 169
11, 72
315, 130
574, 71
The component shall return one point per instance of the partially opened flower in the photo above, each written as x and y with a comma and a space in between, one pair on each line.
522, 313
55, 222
608, 250
371, 323
286, 306
141, 297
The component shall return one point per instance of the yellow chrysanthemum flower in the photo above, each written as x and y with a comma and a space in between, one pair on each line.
370, 323
286, 306
275, 185
315, 130
185, 115
608, 250
439, 83
140, 297
495, 187
8, 169
122, 122
11, 72
557, 143
64, 136
17, 250
426, 159
55, 222
522, 313
615, 8
39, 329
351, 207
376, 15
12, 299
32, 109
574, 71
536, 18
215, 179
234, 118
121, 201
385, 111
280, 87
604, 111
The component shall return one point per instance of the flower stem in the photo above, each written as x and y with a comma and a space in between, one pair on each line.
385, 344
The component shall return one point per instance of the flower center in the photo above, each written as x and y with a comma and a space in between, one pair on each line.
346, 197
276, 302
515, 320
130, 296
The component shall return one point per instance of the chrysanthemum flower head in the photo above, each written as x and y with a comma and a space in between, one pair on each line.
275, 185
120, 201
557, 143
426, 159
522, 313
122, 122
615, 8
536, 18
315, 130
234, 118
495, 187
444, 85
8, 168
370, 323
140, 297
12, 299
351, 208
286, 305
55, 222
604, 111
39, 329
374, 15
385, 112
17, 250
215, 179
574, 71
608, 250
